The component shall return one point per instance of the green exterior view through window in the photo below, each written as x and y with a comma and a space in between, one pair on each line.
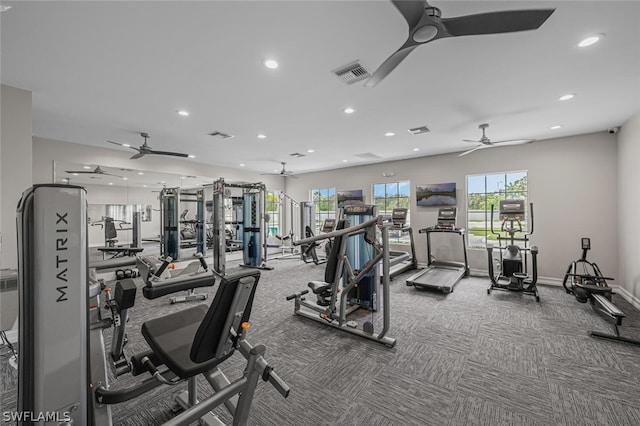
388, 196
273, 210
484, 191
325, 203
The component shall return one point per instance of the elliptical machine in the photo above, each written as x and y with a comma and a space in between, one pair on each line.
587, 283
514, 268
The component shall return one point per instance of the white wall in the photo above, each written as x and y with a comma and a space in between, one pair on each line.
629, 206
572, 183
15, 169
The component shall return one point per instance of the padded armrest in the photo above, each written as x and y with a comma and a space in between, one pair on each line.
154, 289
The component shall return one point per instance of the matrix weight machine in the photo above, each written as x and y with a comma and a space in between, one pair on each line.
62, 377
513, 274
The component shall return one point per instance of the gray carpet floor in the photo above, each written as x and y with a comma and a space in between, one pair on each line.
464, 358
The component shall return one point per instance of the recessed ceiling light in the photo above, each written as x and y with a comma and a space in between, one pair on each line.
556, 127
126, 145
183, 177
140, 173
566, 97
87, 167
590, 41
261, 136
389, 134
161, 181
276, 170
416, 149
349, 110
4, 7
272, 64
241, 164
311, 151
192, 156
345, 161
183, 113
75, 174
144, 186
125, 178
110, 183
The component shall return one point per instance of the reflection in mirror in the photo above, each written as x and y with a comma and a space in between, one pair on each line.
116, 193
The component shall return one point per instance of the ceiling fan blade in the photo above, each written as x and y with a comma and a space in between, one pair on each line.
513, 142
481, 146
174, 154
411, 10
471, 140
138, 155
390, 64
506, 21
116, 143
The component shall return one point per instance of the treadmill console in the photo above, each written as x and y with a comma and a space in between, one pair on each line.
511, 210
399, 217
328, 226
447, 218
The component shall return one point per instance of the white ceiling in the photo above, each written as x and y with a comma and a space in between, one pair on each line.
109, 70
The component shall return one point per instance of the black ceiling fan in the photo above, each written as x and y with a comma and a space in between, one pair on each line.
426, 25
97, 171
145, 149
283, 172
485, 142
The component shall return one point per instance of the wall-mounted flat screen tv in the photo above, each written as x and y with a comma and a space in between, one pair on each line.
350, 197
436, 194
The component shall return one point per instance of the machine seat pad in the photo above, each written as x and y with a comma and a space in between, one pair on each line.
319, 287
171, 337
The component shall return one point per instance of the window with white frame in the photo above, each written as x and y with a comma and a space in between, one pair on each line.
325, 203
273, 210
484, 191
388, 196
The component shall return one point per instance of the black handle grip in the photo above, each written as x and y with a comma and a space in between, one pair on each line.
293, 296
164, 265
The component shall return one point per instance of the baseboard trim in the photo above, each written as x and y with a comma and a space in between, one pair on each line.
627, 296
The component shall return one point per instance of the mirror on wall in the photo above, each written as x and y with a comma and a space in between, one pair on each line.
116, 192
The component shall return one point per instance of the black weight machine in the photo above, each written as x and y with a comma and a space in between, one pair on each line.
586, 282
514, 269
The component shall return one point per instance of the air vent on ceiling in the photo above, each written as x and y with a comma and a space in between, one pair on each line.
419, 130
368, 156
220, 135
352, 73
297, 155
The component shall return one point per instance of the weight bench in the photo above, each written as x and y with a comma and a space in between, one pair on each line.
187, 279
116, 251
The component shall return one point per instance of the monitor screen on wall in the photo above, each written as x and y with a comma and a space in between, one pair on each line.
436, 194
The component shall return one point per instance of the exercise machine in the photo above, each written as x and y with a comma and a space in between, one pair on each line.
176, 231
402, 261
333, 302
513, 273
254, 224
585, 281
439, 274
308, 252
62, 362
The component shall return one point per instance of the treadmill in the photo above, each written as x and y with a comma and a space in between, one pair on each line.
401, 261
442, 275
